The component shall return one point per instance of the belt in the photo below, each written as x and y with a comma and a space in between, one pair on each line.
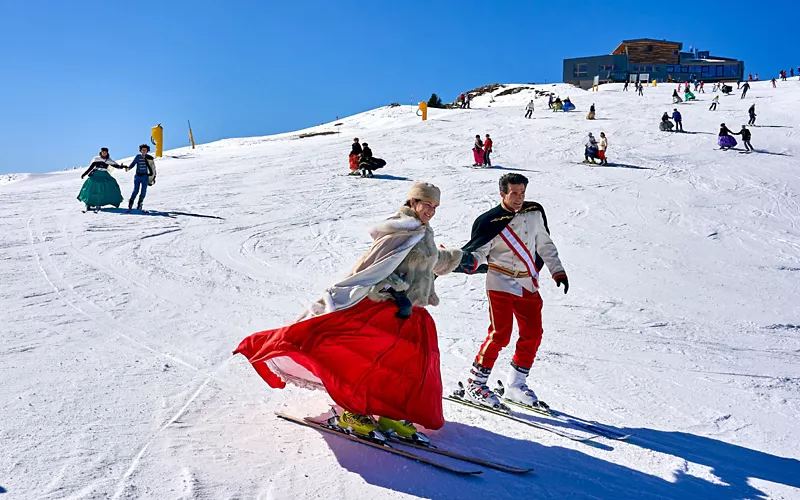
509, 272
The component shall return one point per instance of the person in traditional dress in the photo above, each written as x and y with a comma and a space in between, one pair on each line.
369, 341
100, 188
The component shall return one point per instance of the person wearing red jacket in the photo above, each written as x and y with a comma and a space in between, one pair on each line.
487, 149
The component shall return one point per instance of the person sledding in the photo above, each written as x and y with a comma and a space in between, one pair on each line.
725, 140
688, 95
568, 106
590, 149
355, 154
369, 341
144, 176
477, 151
558, 104
665, 125
591, 114
510, 243
367, 164
100, 188
675, 97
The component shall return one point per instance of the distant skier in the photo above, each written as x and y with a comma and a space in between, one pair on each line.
477, 151
702, 87
752, 113
145, 175
369, 340
714, 103
773, 83
355, 154
590, 149
510, 243
461, 101
675, 97
666, 124
641, 89
487, 150
602, 148
529, 109
467, 101
746, 135
745, 88
550, 101
676, 116
591, 114
725, 140
100, 188
625, 87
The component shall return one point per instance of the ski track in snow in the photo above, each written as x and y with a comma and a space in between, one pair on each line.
681, 325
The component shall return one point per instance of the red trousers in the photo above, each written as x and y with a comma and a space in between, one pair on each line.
503, 308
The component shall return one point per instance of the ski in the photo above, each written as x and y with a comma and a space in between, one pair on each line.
385, 447
464, 458
507, 414
596, 428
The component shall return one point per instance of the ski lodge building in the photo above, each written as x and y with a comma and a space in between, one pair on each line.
647, 59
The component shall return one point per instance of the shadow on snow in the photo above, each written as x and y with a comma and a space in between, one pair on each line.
156, 213
567, 473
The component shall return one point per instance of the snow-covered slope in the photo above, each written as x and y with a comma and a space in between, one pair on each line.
682, 325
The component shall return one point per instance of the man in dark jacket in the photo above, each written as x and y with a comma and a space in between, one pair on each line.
745, 88
144, 164
746, 135
676, 115
752, 113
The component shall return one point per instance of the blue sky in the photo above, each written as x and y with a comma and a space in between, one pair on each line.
80, 75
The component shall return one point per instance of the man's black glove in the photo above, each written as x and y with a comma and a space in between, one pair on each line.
469, 264
403, 304
562, 278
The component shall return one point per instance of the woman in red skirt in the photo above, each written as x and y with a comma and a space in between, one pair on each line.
369, 341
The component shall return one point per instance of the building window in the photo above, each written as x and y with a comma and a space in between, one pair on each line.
684, 69
705, 71
694, 69
720, 70
649, 48
671, 69
674, 52
580, 69
653, 69
607, 67
731, 70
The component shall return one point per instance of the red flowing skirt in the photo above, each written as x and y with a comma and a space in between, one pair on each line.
353, 162
369, 361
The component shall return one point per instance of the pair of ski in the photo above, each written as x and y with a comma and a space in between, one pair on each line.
394, 441
560, 424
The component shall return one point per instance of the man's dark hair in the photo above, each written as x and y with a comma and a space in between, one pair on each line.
507, 179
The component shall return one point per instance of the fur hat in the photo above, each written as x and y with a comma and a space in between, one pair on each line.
424, 191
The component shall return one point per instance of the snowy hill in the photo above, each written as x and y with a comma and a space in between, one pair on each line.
682, 325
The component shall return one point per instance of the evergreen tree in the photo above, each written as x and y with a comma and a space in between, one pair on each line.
435, 102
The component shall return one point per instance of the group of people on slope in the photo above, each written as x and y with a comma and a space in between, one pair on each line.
361, 160
100, 188
725, 139
667, 126
558, 105
596, 150
463, 101
370, 342
687, 95
481, 151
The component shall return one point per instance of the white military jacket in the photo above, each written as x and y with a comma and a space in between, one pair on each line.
507, 272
